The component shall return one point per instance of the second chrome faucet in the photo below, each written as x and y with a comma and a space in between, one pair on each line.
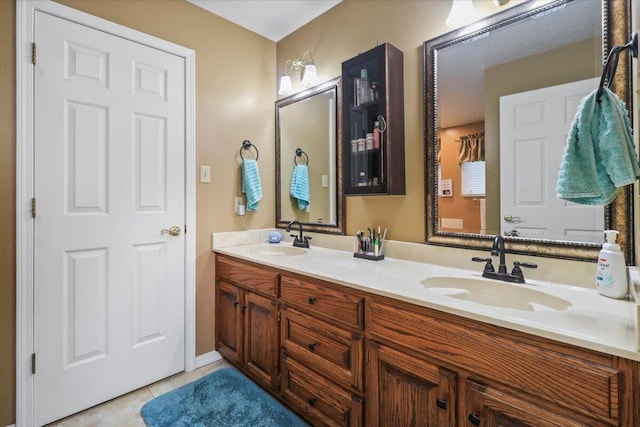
498, 249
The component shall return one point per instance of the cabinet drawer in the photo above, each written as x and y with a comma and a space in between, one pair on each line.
322, 402
332, 351
248, 276
579, 384
334, 304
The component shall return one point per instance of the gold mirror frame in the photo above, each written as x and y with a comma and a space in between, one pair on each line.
340, 225
616, 30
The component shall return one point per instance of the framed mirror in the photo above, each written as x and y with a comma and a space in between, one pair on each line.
479, 82
308, 133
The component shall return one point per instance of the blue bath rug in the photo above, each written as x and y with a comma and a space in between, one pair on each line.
224, 398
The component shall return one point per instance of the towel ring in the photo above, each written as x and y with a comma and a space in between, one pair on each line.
246, 145
299, 153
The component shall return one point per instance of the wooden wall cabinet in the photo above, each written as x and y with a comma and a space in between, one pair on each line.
373, 104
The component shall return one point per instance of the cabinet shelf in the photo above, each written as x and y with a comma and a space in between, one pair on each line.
377, 77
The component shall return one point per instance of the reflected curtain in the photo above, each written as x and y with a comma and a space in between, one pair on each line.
471, 147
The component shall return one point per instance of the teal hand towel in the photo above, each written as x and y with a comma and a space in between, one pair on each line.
599, 153
251, 186
300, 187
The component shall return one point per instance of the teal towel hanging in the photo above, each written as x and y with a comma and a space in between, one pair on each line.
251, 185
300, 187
599, 154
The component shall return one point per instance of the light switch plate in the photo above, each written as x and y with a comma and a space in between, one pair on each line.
325, 180
205, 174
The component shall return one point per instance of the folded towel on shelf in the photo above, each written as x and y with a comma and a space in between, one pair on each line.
599, 154
251, 186
300, 187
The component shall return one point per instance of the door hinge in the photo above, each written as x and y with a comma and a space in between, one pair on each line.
278, 380
185, 229
366, 356
33, 207
279, 315
33, 363
33, 53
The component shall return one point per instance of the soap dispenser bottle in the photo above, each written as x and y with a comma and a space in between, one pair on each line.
611, 275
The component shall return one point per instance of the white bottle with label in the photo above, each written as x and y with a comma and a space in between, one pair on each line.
611, 275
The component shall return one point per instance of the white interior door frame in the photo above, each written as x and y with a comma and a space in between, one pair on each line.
25, 11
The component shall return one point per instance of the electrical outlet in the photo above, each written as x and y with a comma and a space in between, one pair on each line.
238, 201
325, 180
205, 174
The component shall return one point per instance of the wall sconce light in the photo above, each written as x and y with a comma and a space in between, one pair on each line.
286, 88
462, 13
308, 73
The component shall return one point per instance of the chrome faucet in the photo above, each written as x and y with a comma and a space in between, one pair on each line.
497, 249
299, 241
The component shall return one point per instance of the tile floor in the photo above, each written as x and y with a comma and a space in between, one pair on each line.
124, 411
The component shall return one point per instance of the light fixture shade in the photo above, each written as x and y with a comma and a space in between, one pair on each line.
462, 13
286, 88
310, 77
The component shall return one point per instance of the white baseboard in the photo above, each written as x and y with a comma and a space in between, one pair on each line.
205, 359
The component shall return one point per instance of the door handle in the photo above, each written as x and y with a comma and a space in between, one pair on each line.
174, 230
511, 218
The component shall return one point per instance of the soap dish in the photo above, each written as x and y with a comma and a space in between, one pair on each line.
365, 255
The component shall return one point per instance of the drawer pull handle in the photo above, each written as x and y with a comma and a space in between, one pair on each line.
312, 401
474, 419
441, 403
312, 300
312, 346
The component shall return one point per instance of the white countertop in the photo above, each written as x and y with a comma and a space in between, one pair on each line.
590, 321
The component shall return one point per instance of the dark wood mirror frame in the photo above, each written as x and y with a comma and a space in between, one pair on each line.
340, 226
616, 30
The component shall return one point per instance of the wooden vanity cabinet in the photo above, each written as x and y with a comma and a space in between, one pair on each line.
505, 378
247, 313
322, 351
341, 357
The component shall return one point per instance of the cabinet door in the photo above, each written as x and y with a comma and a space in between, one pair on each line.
406, 391
229, 321
489, 407
261, 341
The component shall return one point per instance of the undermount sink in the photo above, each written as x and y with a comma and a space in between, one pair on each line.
496, 294
278, 250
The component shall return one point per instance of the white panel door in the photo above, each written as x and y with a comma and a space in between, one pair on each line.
533, 130
109, 176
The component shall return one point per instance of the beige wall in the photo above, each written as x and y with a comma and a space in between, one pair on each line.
352, 27
235, 71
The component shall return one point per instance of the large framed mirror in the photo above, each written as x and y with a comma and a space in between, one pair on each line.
308, 133
503, 73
